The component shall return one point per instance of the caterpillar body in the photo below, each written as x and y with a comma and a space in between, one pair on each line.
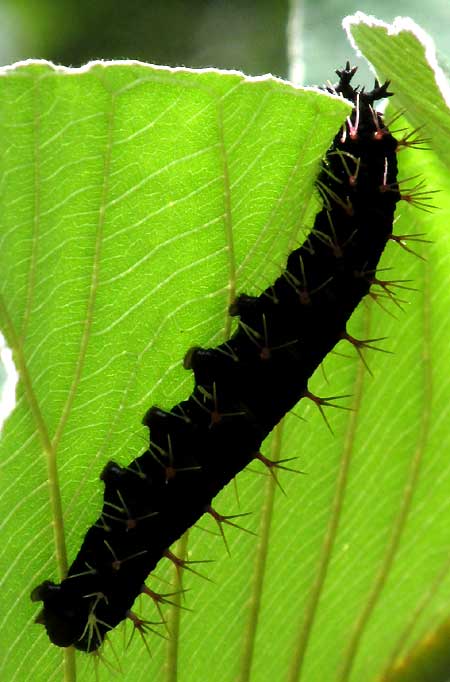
243, 387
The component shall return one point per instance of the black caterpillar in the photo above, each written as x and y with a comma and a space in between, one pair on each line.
242, 388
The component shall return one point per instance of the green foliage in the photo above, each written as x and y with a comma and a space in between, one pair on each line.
135, 203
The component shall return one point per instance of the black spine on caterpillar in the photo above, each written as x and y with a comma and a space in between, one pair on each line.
242, 388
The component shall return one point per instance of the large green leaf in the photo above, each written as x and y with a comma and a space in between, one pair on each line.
135, 202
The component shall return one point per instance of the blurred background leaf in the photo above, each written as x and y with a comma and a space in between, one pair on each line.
228, 34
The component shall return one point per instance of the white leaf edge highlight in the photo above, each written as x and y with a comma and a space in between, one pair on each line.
8, 390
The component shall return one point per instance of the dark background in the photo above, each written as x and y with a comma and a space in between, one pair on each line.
232, 34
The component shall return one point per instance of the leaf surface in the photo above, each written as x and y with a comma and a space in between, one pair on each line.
136, 202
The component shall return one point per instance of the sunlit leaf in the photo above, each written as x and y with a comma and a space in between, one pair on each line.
135, 203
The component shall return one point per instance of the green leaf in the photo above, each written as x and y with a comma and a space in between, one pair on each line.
136, 201
405, 54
